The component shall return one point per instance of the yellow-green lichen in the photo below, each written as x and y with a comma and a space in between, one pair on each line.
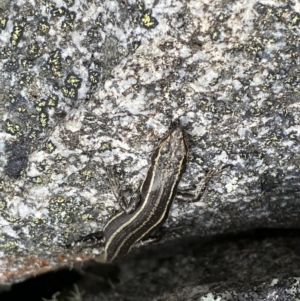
6, 52
104, 146
43, 119
54, 62
34, 50
89, 117
8, 245
87, 174
42, 166
12, 218
58, 157
44, 26
58, 12
26, 63
22, 109
41, 105
73, 80
69, 92
197, 159
99, 21
223, 17
147, 20
140, 5
135, 45
2, 204
26, 78
33, 134
94, 77
36, 180
69, 2
86, 216
295, 20
12, 128
215, 35
50, 147
52, 101
67, 25
3, 22
17, 32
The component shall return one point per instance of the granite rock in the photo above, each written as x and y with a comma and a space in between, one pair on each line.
93, 84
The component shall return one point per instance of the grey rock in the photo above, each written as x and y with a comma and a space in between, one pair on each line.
102, 81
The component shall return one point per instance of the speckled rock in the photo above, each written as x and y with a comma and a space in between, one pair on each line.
84, 83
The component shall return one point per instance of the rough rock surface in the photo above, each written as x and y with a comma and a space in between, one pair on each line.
84, 82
